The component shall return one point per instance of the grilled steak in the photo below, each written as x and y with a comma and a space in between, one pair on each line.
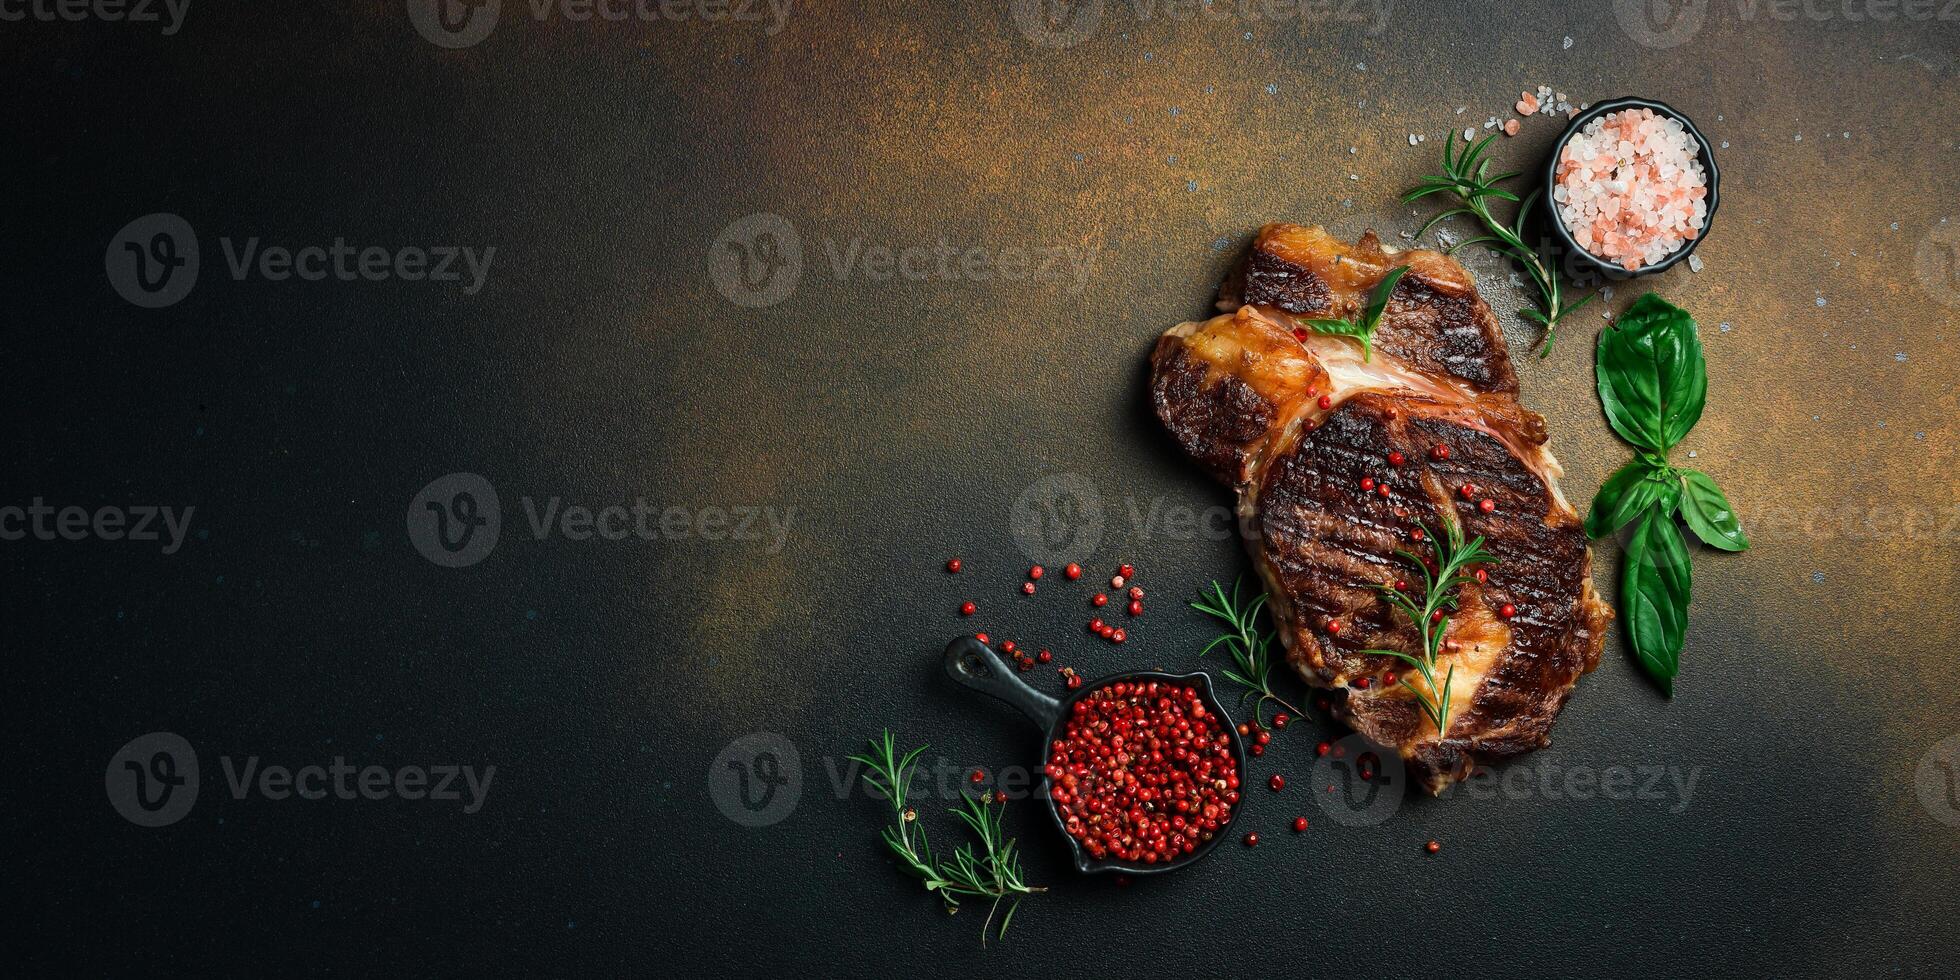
1243, 393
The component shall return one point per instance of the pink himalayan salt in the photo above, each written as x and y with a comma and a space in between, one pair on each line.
1630, 188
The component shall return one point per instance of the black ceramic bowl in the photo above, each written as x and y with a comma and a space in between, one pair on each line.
977, 666
1607, 267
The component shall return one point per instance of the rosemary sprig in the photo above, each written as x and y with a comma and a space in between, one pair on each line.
1251, 650
1371, 316
1453, 558
995, 874
1467, 176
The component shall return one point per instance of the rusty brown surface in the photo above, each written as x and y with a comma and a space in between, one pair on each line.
906, 420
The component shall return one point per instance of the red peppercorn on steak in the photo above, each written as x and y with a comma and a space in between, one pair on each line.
1341, 458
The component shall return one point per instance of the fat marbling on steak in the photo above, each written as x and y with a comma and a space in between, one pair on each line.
1294, 421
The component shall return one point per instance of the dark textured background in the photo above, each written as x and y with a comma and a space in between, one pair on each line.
902, 420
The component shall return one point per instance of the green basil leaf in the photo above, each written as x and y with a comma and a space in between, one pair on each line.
1344, 328
1656, 585
1652, 377
1709, 514
1378, 301
1627, 493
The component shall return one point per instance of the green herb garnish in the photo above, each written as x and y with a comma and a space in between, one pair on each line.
996, 874
1467, 177
1653, 384
1371, 317
1251, 650
1453, 559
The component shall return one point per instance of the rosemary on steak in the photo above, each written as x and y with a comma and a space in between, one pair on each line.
1466, 176
1430, 612
994, 873
1251, 650
1371, 316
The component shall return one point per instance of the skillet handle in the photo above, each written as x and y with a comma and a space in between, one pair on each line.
976, 665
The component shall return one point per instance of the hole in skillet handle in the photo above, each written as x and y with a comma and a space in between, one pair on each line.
1578, 259
977, 666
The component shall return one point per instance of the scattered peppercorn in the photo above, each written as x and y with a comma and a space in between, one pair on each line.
1044, 656
1432, 847
1136, 608
1027, 588
968, 609
1125, 570
1037, 571
1099, 600
1073, 571
1280, 720
1394, 458
1299, 825
953, 565
1507, 610
1278, 782
1440, 451
1252, 839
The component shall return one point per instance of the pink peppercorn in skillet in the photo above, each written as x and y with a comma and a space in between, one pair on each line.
1629, 187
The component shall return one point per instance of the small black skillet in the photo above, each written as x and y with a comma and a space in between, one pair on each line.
977, 666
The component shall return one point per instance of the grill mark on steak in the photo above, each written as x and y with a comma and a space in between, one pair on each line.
1322, 545
1434, 321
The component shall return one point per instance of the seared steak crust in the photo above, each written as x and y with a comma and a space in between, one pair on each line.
1242, 393
1435, 321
